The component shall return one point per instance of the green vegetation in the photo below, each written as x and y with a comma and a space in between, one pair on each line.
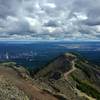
79, 56
85, 87
83, 68
52, 77
8, 64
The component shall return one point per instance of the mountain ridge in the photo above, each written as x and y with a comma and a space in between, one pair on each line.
77, 75
67, 77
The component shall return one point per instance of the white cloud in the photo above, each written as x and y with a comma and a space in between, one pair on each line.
33, 22
97, 27
81, 16
50, 29
50, 19
51, 5
11, 18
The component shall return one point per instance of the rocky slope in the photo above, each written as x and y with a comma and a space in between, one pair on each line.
67, 77
70, 77
16, 84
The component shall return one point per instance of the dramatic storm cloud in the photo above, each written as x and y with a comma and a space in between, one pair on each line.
50, 19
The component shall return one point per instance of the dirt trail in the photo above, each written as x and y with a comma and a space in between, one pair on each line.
25, 85
73, 68
82, 94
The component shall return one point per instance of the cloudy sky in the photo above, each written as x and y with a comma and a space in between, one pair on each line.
49, 19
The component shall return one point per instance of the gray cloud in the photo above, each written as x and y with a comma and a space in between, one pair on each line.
50, 19
51, 23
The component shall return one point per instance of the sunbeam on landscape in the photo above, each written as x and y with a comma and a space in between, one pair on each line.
49, 49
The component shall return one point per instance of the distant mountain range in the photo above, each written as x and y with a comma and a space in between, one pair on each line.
67, 77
